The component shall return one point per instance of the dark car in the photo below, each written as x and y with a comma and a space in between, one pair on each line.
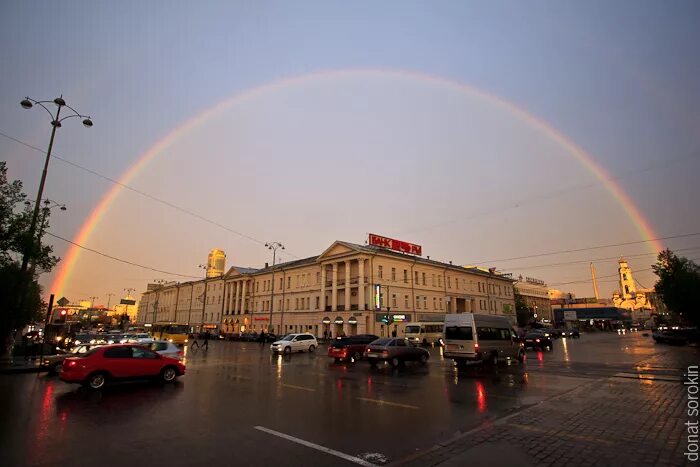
396, 351
570, 333
680, 336
538, 340
350, 348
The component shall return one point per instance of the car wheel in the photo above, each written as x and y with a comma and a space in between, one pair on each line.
97, 380
394, 362
423, 359
312, 348
287, 350
168, 374
355, 357
57, 367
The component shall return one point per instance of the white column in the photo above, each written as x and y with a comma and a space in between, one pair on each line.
231, 287
236, 310
323, 287
334, 290
347, 285
361, 286
243, 310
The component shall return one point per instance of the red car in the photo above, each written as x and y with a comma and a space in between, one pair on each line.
119, 362
350, 348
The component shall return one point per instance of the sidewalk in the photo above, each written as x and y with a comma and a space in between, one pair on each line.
608, 422
9, 365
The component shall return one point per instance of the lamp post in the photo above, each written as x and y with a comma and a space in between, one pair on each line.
274, 246
56, 120
45, 210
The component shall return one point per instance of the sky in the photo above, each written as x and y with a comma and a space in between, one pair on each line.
309, 122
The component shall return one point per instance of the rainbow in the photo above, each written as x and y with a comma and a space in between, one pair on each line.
69, 262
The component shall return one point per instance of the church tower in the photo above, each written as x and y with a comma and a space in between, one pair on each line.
627, 287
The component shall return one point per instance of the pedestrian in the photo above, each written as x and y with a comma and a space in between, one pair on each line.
193, 336
262, 338
207, 335
325, 335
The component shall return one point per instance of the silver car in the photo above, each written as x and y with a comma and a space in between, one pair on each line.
166, 348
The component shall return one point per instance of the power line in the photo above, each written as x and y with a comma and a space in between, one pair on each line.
131, 263
143, 193
584, 249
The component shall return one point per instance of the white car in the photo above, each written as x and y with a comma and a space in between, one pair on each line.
166, 348
295, 343
141, 338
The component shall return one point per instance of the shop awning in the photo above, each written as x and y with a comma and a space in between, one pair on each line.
326, 320
338, 320
352, 320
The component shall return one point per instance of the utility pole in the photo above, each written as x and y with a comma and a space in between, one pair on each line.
109, 299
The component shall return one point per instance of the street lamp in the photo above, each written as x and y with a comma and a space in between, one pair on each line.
56, 120
48, 206
274, 246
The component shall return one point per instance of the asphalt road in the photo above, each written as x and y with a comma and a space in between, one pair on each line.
239, 405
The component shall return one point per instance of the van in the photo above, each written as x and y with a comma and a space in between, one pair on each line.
480, 338
424, 333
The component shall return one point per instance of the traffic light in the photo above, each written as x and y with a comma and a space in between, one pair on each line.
61, 318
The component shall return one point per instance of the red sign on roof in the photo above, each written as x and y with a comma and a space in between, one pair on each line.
396, 245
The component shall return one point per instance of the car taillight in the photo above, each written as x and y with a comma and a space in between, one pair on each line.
385, 353
537, 340
71, 363
476, 346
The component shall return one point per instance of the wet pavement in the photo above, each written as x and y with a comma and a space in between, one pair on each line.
239, 405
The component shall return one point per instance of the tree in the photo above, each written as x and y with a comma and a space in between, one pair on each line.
522, 312
678, 284
15, 240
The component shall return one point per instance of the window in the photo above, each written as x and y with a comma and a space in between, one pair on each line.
405, 276
441, 303
257, 286
424, 279
296, 304
281, 283
417, 301
393, 300
318, 279
380, 271
318, 302
289, 282
459, 333
138, 352
449, 282
287, 304
405, 301
416, 277
117, 352
433, 280
393, 274
624, 277
425, 302
479, 286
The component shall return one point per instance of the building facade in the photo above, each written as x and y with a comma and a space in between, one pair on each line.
535, 294
348, 289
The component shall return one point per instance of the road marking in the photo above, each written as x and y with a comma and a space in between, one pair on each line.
394, 404
647, 376
303, 388
318, 447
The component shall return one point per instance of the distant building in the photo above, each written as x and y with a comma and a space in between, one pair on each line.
629, 297
216, 263
535, 294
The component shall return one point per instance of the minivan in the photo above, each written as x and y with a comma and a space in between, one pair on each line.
480, 338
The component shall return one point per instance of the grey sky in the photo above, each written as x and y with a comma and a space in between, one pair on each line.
618, 78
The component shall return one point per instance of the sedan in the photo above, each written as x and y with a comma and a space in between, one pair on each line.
54, 363
119, 362
538, 340
350, 348
396, 351
166, 348
571, 333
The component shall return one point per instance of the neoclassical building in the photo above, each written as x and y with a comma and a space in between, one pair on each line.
349, 288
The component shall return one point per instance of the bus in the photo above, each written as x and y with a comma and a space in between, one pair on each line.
424, 332
175, 333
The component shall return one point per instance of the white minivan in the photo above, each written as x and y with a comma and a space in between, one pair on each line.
480, 338
301, 342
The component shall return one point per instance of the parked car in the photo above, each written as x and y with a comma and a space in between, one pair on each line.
54, 363
295, 343
480, 338
350, 348
677, 335
166, 348
395, 350
538, 340
555, 333
107, 363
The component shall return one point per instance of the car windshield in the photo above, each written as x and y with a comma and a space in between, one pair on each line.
412, 329
340, 342
288, 337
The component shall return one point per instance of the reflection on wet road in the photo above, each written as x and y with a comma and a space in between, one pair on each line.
209, 416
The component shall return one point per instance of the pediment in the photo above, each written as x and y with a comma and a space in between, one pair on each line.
337, 249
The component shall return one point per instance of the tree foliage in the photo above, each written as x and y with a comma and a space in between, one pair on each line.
15, 240
522, 312
678, 284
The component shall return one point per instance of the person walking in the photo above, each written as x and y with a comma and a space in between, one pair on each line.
193, 337
262, 338
207, 335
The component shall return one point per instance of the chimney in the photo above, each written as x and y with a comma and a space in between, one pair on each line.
450, 262
428, 257
266, 265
